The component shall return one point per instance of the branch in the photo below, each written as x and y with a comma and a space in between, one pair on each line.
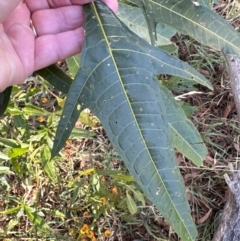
233, 62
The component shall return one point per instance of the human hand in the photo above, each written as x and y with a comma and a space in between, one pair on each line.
58, 24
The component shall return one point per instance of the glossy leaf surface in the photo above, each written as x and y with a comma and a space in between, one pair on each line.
197, 21
117, 82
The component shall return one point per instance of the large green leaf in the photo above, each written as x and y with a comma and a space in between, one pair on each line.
117, 82
135, 20
197, 21
186, 138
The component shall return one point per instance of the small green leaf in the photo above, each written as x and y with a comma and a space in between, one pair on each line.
136, 193
132, 206
58, 214
48, 164
122, 177
87, 119
11, 210
9, 142
38, 136
14, 111
37, 220
11, 224
16, 152
96, 181
5, 170
17, 167
73, 64
21, 124
4, 156
139, 196
30, 109
60, 101
81, 133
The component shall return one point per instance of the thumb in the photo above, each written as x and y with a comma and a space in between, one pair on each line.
6, 8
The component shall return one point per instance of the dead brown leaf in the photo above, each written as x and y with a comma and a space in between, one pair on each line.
228, 109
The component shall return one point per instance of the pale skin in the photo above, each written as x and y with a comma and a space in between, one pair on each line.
58, 24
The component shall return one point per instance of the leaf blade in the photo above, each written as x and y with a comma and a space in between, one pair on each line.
134, 19
132, 206
110, 84
197, 21
186, 138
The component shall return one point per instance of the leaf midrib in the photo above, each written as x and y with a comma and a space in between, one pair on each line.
111, 54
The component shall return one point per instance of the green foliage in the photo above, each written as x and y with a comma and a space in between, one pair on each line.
198, 22
131, 107
117, 77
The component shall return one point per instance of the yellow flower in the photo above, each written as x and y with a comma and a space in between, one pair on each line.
90, 234
103, 200
72, 232
84, 229
67, 142
107, 233
45, 100
115, 190
89, 171
102, 179
76, 219
41, 118
86, 214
